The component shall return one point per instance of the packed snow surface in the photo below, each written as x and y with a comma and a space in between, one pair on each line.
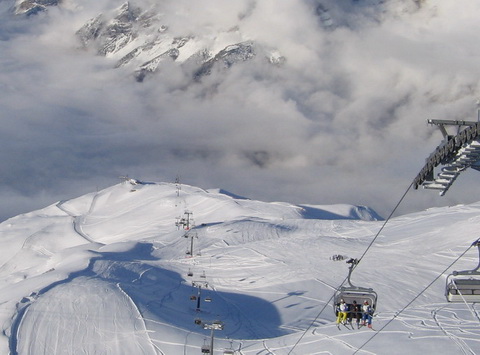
143, 268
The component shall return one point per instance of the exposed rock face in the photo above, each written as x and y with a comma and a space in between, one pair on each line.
138, 38
227, 57
110, 36
31, 7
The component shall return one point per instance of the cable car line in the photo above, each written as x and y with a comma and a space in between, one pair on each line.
385, 223
352, 293
458, 153
353, 267
414, 299
464, 300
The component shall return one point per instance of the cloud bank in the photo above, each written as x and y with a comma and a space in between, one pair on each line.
341, 120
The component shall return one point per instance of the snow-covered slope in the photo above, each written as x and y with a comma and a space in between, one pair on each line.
109, 273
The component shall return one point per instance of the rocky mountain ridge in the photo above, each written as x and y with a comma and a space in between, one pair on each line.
31, 7
138, 38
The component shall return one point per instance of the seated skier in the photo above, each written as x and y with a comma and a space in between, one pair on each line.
367, 314
355, 313
342, 309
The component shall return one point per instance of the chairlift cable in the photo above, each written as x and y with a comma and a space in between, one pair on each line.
315, 319
383, 225
464, 300
311, 324
343, 282
413, 300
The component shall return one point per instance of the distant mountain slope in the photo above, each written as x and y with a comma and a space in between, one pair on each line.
134, 209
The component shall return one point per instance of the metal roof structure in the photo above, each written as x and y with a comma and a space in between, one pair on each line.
454, 155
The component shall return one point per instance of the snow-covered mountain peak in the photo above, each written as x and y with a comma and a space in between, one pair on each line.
141, 39
32, 7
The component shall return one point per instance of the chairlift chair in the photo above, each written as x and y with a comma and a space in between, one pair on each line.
206, 348
464, 286
230, 350
354, 293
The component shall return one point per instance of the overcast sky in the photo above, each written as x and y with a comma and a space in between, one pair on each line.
342, 120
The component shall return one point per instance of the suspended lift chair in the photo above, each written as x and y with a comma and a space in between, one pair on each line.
230, 350
464, 286
352, 293
206, 349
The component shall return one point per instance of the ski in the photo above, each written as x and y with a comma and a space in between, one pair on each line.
345, 325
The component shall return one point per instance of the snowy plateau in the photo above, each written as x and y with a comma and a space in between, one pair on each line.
119, 271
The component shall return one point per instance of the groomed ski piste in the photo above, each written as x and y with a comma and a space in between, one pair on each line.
109, 273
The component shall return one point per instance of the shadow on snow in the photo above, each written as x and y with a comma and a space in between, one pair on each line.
163, 297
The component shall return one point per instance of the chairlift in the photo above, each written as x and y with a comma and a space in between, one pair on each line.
206, 349
230, 350
464, 286
208, 299
193, 298
354, 293
190, 273
203, 275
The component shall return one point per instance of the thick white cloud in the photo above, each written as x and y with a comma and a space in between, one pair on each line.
342, 120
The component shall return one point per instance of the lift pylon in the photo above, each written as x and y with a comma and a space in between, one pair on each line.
455, 154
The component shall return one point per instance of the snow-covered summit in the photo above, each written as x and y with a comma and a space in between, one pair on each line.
141, 39
31, 7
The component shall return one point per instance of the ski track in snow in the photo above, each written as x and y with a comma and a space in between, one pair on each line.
78, 221
77, 317
140, 317
461, 344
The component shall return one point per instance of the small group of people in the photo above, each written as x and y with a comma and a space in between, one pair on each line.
347, 312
